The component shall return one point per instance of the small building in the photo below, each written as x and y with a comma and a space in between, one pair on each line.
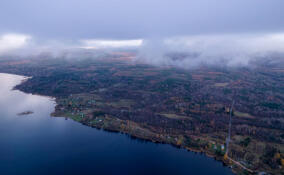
227, 110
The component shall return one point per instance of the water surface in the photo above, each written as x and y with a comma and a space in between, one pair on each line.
40, 144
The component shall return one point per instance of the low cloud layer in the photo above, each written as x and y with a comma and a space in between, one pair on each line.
104, 44
183, 51
227, 50
9, 42
180, 33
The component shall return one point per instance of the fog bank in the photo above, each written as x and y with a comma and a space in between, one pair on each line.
233, 50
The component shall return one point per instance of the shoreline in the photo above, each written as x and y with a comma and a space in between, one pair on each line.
204, 152
234, 170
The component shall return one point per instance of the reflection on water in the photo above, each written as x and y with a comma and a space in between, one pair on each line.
40, 144
15, 102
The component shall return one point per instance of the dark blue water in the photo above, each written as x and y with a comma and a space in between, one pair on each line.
39, 144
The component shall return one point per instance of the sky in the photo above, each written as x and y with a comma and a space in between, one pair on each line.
150, 24
131, 19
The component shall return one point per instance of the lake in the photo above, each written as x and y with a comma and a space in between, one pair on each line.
40, 144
